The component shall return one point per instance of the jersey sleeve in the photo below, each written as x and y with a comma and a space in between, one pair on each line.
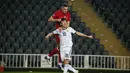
55, 15
56, 31
69, 17
72, 30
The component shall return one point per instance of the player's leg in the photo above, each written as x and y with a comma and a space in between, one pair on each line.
59, 62
59, 58
55, 50
67, 60
62, 55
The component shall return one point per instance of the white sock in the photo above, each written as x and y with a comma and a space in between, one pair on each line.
48, 57
60, 64
71, 68
66, 68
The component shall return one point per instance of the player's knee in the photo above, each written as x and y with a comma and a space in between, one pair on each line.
66, 61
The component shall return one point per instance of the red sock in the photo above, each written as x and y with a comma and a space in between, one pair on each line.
54, 51
59, 58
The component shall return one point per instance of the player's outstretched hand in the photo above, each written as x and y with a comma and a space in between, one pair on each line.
46, 37
90, 36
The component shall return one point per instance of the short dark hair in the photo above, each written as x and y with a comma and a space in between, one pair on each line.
64, 5
62, 19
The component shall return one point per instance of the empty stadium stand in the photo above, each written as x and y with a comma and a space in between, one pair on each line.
117, 15
23, 26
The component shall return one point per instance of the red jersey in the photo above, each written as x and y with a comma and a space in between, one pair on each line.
59, 14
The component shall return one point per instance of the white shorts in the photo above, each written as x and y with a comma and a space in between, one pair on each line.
65, 52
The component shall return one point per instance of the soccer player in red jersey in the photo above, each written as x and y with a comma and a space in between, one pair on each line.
56, 17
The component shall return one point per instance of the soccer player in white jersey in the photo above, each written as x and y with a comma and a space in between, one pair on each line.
66, 43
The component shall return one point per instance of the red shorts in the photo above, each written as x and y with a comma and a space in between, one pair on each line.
57, 36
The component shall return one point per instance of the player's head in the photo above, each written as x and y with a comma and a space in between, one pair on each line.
64, 8
63, 22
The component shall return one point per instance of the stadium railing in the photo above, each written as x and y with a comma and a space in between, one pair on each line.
78, 61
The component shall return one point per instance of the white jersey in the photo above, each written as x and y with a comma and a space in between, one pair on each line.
65, 36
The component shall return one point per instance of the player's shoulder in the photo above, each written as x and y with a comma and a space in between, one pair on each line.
58, 11
68, 12
70, 28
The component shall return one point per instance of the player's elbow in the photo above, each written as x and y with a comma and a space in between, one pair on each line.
49, 19
77, 33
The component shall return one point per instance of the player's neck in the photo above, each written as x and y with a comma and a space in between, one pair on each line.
64, 28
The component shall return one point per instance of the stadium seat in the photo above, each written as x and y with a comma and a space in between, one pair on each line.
105, 52
120, 16
11, 40
106, 13
101, 48
93, 48
24, 34
16, 46
128, 44
37, 41
22, 21
37, 51
122, 27
84, 48
19, 51
45, 51
2, 50
7, 33
33, 46
33, 35
10, 50
97, 53
101, 9
110, 19
24, 46
115, 24
29, 40
106, 2
38, 29
21, 29
28, 51
29, 29
89, 52
42, 46
12, 28
97, 4
89, 42
117, 14
126, 35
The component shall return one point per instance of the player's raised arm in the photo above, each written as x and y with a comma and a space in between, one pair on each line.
57, 31
49, 35
54, 20
83, 35
80, 34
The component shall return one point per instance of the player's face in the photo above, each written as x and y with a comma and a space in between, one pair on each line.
65, 9
64, 24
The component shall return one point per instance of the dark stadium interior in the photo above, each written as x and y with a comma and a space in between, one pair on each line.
22, 22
